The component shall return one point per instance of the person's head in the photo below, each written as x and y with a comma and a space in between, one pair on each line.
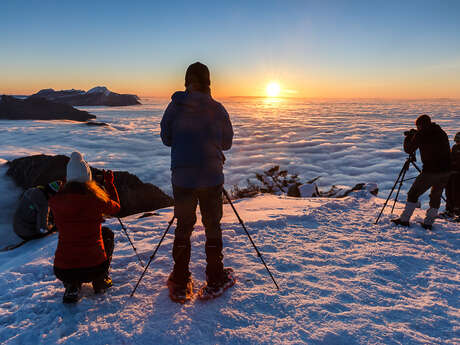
423, 121
53, 187
457, 138
79, 178
197, 78
77, 169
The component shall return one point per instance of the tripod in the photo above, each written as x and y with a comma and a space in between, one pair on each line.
410, 160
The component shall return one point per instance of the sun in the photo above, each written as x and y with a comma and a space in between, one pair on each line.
273, 89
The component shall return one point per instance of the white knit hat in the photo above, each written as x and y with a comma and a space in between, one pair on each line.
457, 137
77, 169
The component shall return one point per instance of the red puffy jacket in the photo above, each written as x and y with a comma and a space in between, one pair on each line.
78, 218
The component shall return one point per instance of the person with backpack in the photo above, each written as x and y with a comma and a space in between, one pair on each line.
32, 218
198, 129
84, 249
434, 147
453, 187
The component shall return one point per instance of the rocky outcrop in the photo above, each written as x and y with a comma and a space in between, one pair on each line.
311, 190
37, 108
98, 95
135, 195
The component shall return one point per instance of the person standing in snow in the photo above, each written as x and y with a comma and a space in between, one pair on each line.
32, 218
84, 249
453, 187
435, 154
198, 129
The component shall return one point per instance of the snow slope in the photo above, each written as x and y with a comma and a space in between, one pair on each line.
343, 280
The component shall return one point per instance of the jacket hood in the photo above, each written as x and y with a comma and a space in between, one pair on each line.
190, 99
432, 128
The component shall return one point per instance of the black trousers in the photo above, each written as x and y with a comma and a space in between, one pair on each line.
425, 181
185, 203
453, 194
89, 274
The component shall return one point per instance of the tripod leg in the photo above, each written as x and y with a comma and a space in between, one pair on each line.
392, 189
406, 167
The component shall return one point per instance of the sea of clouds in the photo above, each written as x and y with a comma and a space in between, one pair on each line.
343, 141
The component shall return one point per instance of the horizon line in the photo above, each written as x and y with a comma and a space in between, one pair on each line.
295, 97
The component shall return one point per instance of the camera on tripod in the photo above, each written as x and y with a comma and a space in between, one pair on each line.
410, 132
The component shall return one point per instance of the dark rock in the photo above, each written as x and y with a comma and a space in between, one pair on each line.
99, 95
135, 196
37, 108
148, 214
96, 124
293, 190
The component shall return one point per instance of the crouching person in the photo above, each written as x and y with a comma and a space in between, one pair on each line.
84, 249
32, 218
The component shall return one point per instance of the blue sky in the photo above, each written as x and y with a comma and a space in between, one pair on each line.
312, 48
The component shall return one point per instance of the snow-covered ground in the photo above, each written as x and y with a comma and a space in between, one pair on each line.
343, 280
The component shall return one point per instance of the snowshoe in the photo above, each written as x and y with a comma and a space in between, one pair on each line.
213, 290
426, 226
180, 293
72, 293
101, 285
446, 215
398, 221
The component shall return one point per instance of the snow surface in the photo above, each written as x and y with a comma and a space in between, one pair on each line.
343, 280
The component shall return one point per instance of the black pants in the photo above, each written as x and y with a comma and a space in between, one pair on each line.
453, 194
89, 274
425, 181
185, 203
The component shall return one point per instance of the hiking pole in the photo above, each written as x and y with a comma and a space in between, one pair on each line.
401, 173
247, 233
153, 255
132, 245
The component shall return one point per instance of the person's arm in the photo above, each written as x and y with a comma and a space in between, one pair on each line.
227, 130
112, 206
166, 126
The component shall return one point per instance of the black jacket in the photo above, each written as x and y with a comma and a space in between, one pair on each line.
434, 147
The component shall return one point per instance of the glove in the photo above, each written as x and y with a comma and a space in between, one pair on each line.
108, 176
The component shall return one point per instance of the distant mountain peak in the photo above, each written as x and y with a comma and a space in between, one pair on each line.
99, 89
99, 95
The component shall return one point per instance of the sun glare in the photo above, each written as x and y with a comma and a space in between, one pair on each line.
273, 89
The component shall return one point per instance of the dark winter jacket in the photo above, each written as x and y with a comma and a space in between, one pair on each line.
78, 219
434, 148
31, 217
455, 157
198, 129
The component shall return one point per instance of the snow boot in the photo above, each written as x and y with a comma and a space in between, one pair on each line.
447, 214
431, 215
101, 285
407, 213
72, 292
180, 292
214, 289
